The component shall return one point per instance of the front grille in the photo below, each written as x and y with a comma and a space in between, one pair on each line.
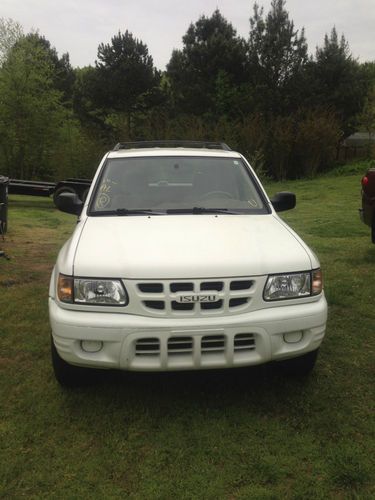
198, 297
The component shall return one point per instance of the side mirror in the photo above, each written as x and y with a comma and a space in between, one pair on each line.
283, 201
69, 203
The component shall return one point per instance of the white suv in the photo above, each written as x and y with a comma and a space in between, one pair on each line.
180, 262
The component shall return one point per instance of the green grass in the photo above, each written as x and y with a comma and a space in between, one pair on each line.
233, 434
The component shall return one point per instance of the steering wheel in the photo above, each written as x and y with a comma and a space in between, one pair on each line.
216, 194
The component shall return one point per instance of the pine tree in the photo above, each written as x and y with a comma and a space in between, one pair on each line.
212, 54
278, 55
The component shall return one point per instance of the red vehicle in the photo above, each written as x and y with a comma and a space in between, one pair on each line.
367, 212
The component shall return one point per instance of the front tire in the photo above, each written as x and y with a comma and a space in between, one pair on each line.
301, 366
68, 375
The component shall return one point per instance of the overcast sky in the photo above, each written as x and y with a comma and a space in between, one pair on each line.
78, 26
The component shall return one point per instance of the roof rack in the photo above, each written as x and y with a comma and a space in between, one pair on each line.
172, 144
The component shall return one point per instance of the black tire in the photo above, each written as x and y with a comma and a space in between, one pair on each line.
301, 366
68, 375
373, 230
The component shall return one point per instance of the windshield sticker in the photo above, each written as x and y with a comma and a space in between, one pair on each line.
252, 203
103, 201
107, 185
104, 197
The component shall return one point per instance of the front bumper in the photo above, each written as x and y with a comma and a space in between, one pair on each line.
139, 343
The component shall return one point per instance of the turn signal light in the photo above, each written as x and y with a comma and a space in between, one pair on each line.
65, 288
317, 282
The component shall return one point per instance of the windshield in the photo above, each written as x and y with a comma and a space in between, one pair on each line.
161, 185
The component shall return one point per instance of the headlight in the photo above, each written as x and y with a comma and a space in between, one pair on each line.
293, 285
91, 291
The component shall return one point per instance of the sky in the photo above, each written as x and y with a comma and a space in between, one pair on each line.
79, 26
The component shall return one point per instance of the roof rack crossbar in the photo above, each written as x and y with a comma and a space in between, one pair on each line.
172, 144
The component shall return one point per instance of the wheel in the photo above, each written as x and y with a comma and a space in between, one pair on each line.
68, 375
373, 230
301, 365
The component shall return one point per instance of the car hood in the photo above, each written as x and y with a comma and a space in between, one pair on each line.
188, 246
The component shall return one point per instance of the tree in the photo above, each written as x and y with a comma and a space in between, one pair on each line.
10, 32
62, 72
91, 113
366, 119
126, 79
337, 81
213, 58
278, 55
31, 112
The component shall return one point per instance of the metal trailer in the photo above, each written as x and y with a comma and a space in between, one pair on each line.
40, 188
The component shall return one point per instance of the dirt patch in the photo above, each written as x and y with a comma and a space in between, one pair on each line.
29, 250
9, 283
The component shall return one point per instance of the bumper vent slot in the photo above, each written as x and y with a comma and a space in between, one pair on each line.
212, 344
147, 347
180, 345
244, 342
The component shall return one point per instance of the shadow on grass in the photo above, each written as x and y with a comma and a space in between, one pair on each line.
261, 387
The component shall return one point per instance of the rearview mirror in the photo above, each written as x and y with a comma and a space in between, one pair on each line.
283, 201
69, 203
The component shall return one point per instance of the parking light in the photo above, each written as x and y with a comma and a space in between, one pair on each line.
65, 288
317, 282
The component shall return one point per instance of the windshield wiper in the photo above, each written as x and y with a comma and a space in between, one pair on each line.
137, 211
201, 210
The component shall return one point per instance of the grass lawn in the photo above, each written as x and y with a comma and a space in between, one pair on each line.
232, 434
